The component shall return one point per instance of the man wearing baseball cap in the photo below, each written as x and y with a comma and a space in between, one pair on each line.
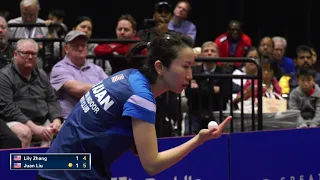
163, 6
73, 76
159, 24
75, 34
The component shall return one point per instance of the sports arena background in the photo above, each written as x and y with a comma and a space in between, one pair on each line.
282, 154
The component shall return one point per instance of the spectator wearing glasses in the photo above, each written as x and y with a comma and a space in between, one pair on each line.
28, 103
29, 10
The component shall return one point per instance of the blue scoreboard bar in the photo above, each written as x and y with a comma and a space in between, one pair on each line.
50, 161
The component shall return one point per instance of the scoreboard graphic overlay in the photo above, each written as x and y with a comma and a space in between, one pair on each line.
50, 161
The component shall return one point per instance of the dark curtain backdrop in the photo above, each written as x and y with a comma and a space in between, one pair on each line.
295, 20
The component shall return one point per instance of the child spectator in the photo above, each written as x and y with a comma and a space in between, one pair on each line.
305, 98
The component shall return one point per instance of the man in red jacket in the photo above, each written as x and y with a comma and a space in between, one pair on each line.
233, 43
126, 30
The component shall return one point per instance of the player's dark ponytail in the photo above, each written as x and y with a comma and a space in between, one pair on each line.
145, 65
136, 62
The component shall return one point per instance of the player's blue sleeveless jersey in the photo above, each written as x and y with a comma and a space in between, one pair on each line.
100, 124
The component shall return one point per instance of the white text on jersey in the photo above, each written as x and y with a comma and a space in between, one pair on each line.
101, 94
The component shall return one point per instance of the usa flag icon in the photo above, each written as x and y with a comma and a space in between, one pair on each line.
16, 158
17, 165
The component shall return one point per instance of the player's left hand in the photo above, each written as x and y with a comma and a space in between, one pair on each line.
207, 134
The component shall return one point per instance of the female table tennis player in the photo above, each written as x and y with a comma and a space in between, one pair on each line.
119, 113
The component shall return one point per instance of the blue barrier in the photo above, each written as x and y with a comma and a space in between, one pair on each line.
208, 161
200, 164
271, 155
7, 174
275, 155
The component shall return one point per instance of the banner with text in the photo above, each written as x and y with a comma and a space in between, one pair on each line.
208, 161
275, 155
269, 155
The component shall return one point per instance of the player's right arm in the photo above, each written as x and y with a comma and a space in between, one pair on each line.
141, 107
146, 142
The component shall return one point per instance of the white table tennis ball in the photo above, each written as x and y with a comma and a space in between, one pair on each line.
212, 124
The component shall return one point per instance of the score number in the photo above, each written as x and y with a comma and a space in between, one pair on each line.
84, 165
84, 158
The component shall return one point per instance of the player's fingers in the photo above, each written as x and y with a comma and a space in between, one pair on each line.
216, 134
212, 130
225, 122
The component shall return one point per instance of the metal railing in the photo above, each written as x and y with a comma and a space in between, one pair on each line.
167, 114
13, 25
229, 77
49, 58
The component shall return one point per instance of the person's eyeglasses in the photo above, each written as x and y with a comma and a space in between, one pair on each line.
26, 54
77, 46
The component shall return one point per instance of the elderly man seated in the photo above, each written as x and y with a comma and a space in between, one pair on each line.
27, 101
73, 76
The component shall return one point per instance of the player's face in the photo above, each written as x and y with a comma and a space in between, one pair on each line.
179, 74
